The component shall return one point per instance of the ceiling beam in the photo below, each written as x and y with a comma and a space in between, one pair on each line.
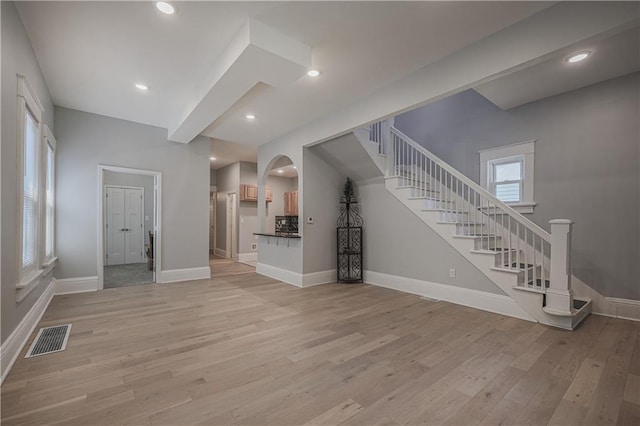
256, 54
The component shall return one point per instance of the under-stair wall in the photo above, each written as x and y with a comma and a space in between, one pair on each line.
400, 252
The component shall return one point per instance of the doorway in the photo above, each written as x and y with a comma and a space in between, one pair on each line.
232, 227
128, 229
124, 227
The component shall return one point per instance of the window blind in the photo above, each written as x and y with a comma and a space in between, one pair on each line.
29, 199
49, 202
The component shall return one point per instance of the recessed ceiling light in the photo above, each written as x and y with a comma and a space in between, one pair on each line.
165, 7
250, 117
313, 73
578, 57
212, 158
280, 171
141, 86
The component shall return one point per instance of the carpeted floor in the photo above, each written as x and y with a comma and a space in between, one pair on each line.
127, 275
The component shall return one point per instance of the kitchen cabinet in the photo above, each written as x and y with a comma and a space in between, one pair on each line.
291, 203
250, 193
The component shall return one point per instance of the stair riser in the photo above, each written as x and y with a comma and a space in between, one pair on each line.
522, 278
487, 244
502, 258
422, 204
467, 229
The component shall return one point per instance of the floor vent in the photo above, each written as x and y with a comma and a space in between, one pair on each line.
50, 340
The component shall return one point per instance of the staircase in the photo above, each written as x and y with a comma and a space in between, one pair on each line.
530, 265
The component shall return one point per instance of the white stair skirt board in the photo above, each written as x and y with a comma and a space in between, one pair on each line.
76, 285
219, 252
496, 303
187, 274
248, 257
12, 347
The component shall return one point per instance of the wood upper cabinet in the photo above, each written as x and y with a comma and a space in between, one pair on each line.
250, 193
291, 203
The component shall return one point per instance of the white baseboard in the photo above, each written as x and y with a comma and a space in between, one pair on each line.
286, 276
187, 274
295, 278
76, 285
248, 257
317, 278
219, 252
12, 347
496, 303
628, 309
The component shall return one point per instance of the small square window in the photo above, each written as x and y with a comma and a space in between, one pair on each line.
506, 180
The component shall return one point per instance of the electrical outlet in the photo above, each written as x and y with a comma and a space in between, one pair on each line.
254, 246
452, 273
310, 220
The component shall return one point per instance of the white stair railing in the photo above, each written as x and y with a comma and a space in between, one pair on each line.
520, 245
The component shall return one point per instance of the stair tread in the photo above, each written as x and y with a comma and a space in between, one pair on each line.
492, 252
529, 289
490, 237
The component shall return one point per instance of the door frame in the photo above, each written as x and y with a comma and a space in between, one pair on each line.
143, 200
232, 225
213, 202
157, 218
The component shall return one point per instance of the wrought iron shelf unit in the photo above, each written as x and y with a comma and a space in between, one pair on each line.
349, 238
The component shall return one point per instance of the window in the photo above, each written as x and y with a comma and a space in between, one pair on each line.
506, 179
30, 195
507, 172
49, 146
30, 166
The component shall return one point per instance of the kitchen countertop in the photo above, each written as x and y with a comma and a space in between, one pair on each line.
283, 235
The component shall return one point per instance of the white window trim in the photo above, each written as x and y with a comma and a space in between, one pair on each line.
48, 140
524, 150
28, 278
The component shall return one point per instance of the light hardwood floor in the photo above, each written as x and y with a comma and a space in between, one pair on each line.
243, 349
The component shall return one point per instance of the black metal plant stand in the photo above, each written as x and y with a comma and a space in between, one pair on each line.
349, 242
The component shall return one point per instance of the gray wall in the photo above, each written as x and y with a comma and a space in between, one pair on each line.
146, 182
17, 58
323, 189
212, 177
397, 242
86, 140
228, 181
586, 166
248, 212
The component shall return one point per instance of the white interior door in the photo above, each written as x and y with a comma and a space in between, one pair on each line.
212, 222
232, 232
115, 227
124, 225
134, 238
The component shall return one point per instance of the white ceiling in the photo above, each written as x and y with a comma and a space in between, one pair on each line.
611, 57
92, 53
226, 153
289, 171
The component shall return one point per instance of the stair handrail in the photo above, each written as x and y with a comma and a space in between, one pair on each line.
480, 190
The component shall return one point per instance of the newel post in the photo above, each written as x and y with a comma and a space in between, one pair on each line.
559, 294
